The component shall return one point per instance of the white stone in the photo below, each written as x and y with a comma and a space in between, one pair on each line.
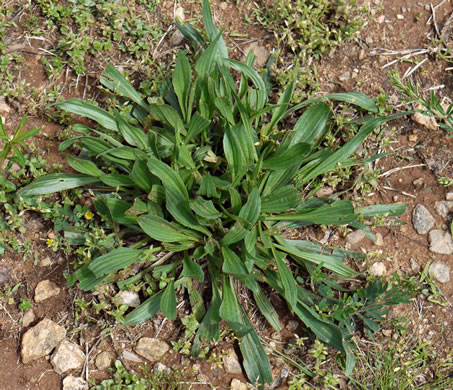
45, 290
378, 269
379, 240
131, 356
4, 108
67, 356
449, 196
260, 52
40, 340
440, 271
29, 317
422, 219
231, 363
151, 349
427, 121
129, 298
179, 14
104, 360
355, 237
440, 242
236, 384
74, 383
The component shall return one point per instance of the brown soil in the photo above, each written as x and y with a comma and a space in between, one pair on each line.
401, 243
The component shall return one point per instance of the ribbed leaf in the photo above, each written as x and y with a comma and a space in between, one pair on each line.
179, 208
119, 84
287, 280
281, 200
340, 212
356, 98
182, 80
132, 135
89, 110
168, 301
238, 148
293, 156
145, 311
197, 125
56, 182
267, 310
204, 208
161, 230
252, 209
253, 75
168, 176
116, 259
389, 210
84, 166
332, 263
116, 180
191, 34
192, 270
141, 175
232, 263
256, 363
311, 126
212, 30
230, 310
325, 331
342, 154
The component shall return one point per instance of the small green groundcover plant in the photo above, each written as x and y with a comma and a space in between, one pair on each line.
205, 173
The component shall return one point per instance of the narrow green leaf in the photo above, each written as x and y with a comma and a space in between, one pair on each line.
212, 30
332, 263
116, 180
56, 182
179, 208
256, 362
141, 176
204, 208
325, 331
197, 125
84, 166
340, 212
267, 310
145, 311
232, 263
161, 230
114, 260
388, 210
182, 80
311, 126
281, 200
287, 280
119, 84
89, 110
132, 135
293, 156
168, 301
193, 270
168, 176
191, 34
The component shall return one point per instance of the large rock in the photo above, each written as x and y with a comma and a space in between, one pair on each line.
40, 340
440, 242
422, 219
440, 271
151, 349
231, 363
67, 356
45, 290
74, 383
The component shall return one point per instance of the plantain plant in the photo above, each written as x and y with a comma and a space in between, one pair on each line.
205, 173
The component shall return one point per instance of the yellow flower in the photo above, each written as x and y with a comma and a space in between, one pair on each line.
89, 215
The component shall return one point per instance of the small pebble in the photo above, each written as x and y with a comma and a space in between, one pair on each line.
449, 196
400, 17
378, 269
412, 138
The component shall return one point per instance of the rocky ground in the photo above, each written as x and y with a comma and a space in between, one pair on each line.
55, 343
